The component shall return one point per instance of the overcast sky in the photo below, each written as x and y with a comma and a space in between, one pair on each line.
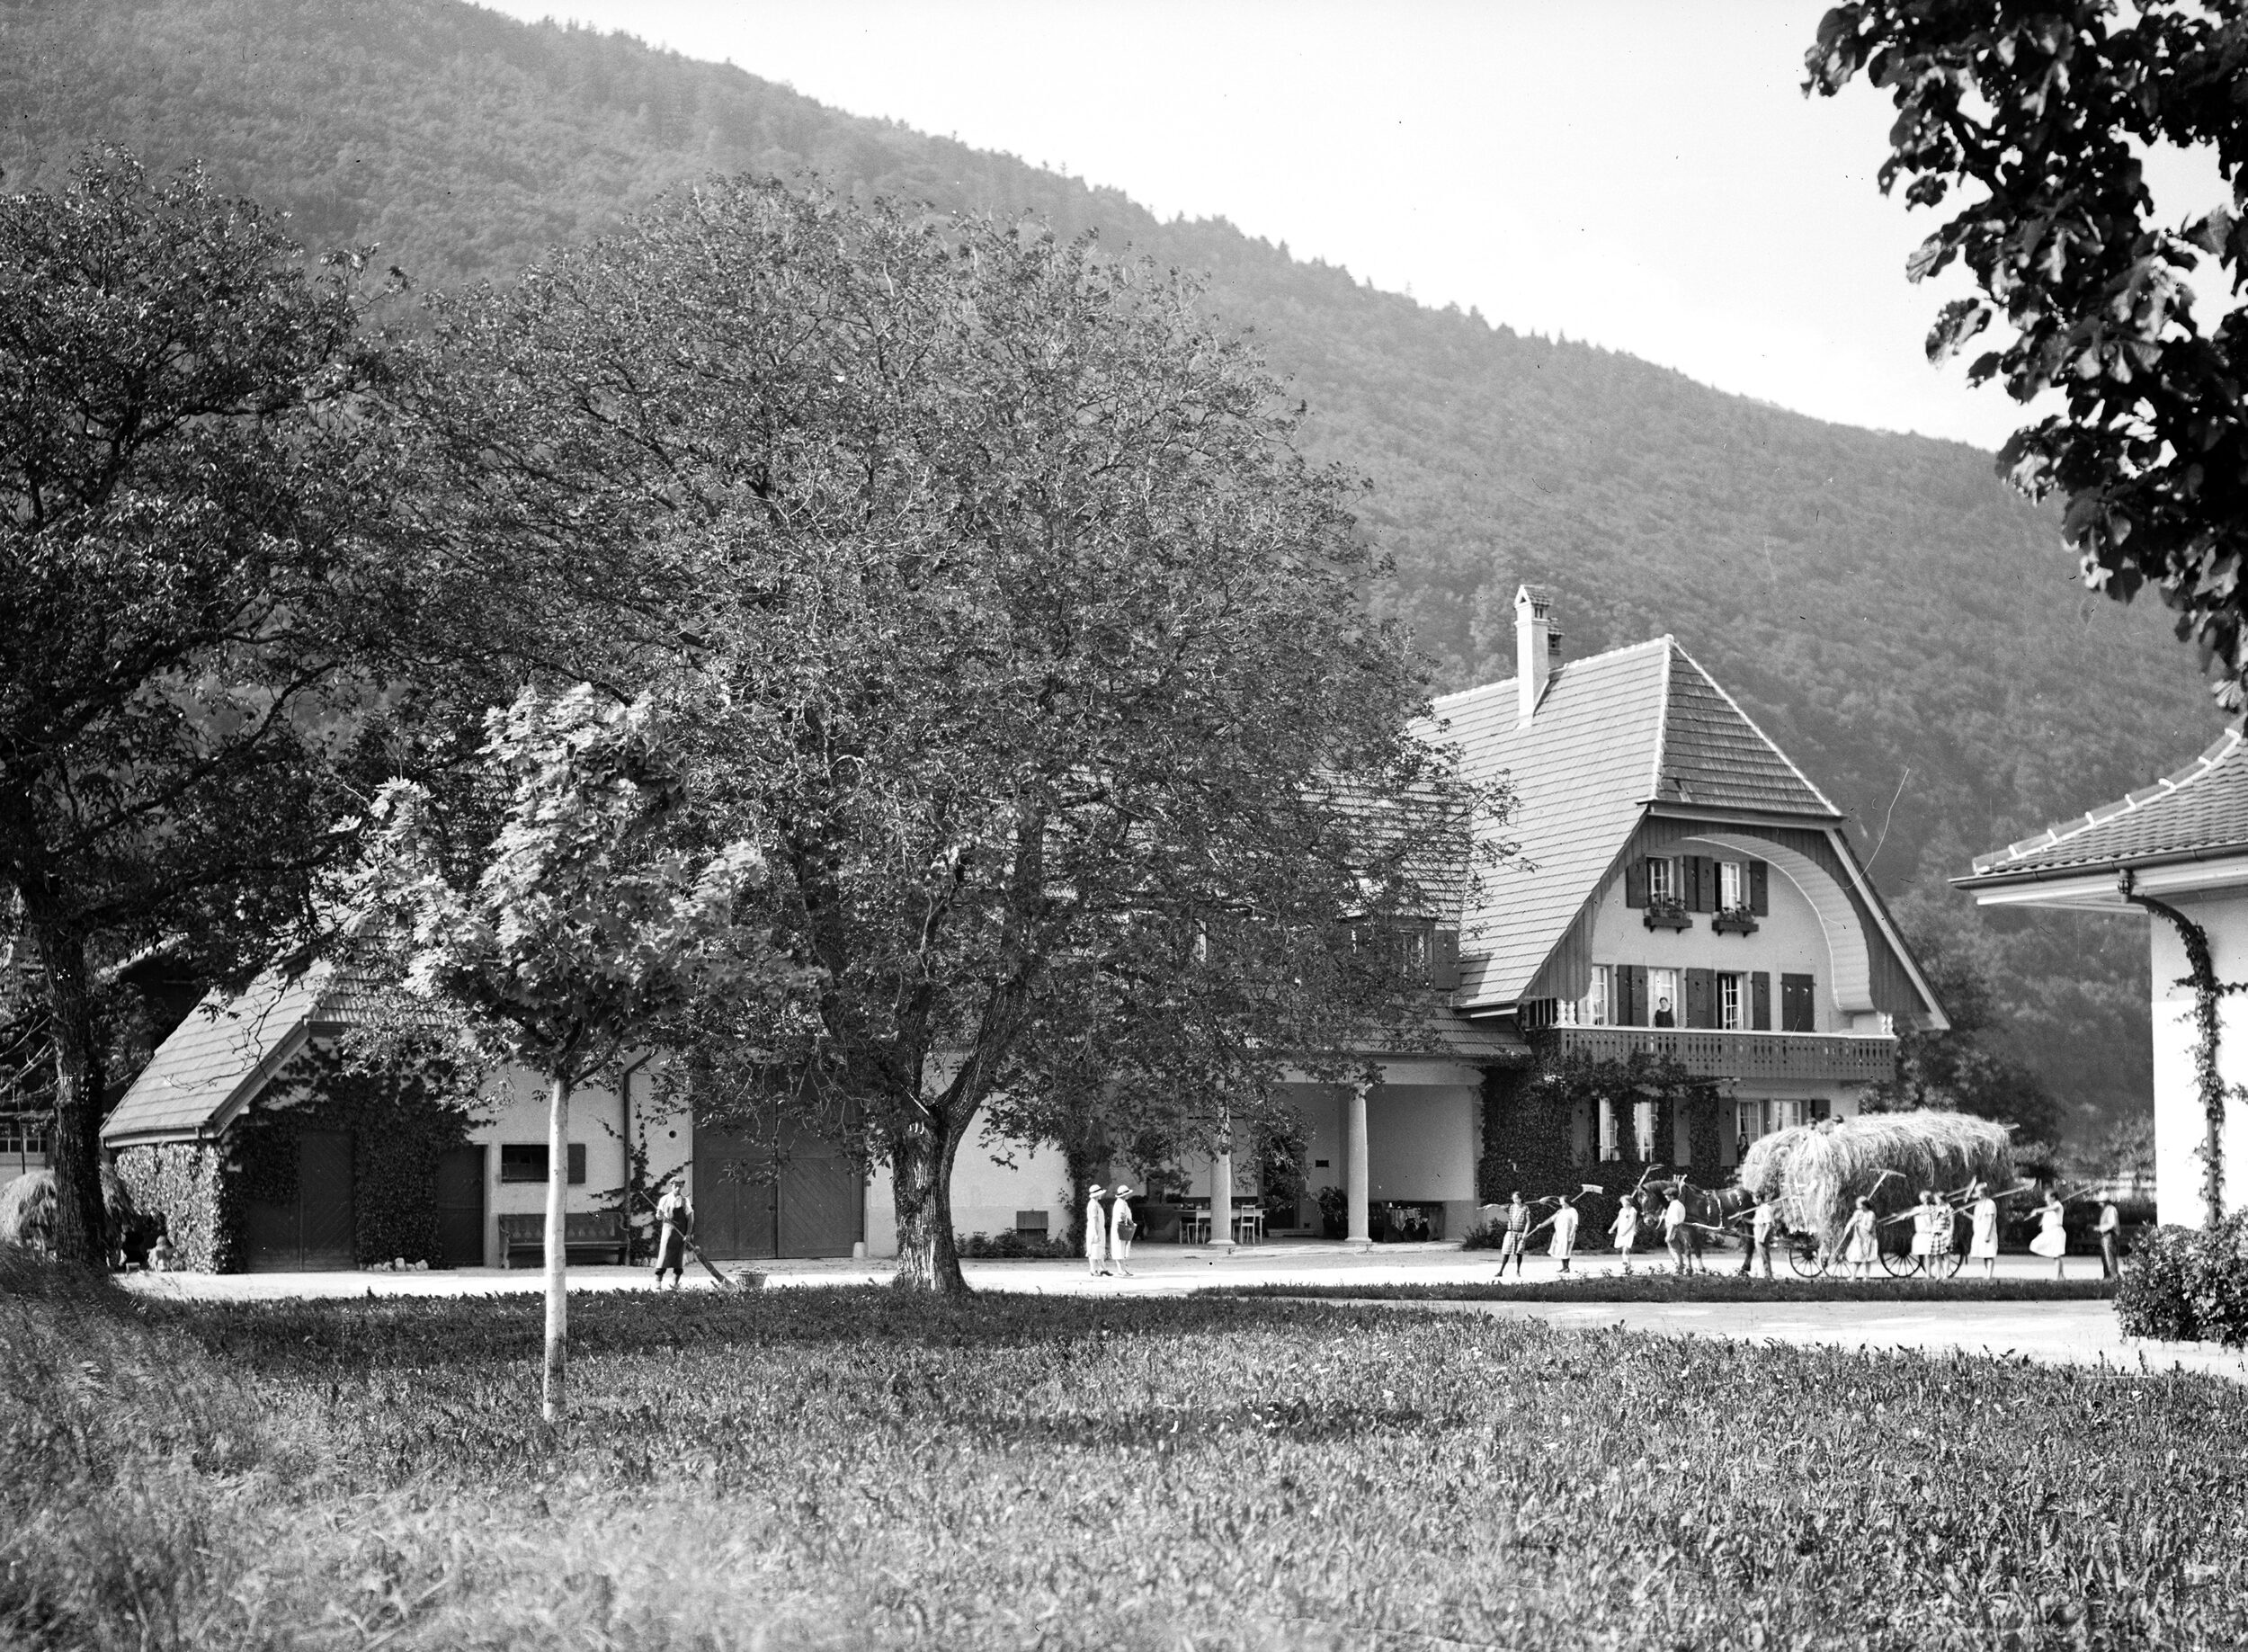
1642, 173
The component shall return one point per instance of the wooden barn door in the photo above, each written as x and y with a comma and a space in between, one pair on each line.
461, 1207
315, 1229
743, 1212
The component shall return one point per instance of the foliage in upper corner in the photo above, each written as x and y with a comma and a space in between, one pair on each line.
2044, 111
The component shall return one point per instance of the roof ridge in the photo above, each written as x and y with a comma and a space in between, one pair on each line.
1755, 727
2212, 757
1462, 694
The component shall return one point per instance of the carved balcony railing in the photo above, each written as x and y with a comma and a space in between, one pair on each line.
1738, 1055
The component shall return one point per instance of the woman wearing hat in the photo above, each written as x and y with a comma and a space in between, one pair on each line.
1096, 1232
1121, 1227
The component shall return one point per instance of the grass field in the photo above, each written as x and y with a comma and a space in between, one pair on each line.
1653, 1286
855, 1468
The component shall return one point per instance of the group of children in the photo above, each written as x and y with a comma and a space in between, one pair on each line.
1932, 1217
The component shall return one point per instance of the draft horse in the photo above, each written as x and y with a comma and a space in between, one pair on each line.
1708, 1210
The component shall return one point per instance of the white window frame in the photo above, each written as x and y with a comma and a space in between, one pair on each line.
1599, 1000
1666, 984
1729, 1018
1732, 886
1662, 881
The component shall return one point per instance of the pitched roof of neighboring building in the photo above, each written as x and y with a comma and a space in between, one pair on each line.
1612, 734
223, 1052
2200, 810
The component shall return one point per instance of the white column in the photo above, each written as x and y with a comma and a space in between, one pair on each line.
1354, 1179
1221, 1195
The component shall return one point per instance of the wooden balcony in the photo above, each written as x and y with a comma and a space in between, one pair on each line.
1739, 1055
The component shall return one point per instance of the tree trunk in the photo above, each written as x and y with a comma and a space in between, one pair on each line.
921, 1191
81, 1223
557, 1270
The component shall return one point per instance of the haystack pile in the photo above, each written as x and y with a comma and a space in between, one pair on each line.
1817, 1171
26, 1210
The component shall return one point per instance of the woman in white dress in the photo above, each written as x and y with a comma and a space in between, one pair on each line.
1982, 1246
1121, 1227
2052, 1239
1625, 1230
1861, 1246
1924, 1228
1096, 1232
1564, 1220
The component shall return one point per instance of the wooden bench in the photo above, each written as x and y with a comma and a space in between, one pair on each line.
587, 1235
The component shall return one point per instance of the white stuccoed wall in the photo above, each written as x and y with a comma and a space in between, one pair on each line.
517, 1113
2178, 1126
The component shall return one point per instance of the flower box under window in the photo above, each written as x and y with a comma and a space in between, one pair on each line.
1666, 914
1736, 922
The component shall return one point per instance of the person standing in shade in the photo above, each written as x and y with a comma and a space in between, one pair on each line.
1121, 1227
1625, 1230
1516, 1238
2111, 1236
674, 1221
2052, 1239
1861, 1244
1562, 1221
1982, 1244
1096, 1233
1675, 1225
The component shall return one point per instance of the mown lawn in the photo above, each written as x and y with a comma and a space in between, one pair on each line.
1654, 1287
853, 1468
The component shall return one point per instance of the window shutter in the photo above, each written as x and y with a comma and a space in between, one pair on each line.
1635, 979
1701, 998
1636, 884
1759, 889
577, 1163
1795, 1012
1444, 959
1760, 1006
1699, 878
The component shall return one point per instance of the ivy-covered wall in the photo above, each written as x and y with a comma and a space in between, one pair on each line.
404, 1107
191, 1185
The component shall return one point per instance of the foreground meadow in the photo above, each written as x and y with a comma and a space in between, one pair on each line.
853, 1468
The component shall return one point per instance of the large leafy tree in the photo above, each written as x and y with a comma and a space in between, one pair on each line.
1018, 633
560, 905
184, 671
2031, 122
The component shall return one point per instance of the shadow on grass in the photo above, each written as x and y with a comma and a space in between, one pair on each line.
404, 1333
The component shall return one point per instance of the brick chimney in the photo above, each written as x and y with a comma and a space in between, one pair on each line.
1537, 645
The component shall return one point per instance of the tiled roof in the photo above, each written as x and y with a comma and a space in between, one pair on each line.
220, 1054
1612, 734
2202, 809
1713, 754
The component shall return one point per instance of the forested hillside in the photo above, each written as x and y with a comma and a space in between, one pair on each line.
1898, 621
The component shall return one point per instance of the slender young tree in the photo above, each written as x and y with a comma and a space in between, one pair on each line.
560, 912
185, 670
1020, 636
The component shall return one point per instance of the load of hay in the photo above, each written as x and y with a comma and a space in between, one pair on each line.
27, 1211
1817, 1172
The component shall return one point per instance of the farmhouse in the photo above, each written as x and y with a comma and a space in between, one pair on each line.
1682, 890
2177, 850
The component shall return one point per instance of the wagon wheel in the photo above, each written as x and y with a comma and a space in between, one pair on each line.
1806, 1255
1900, 1264
1946, 1262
